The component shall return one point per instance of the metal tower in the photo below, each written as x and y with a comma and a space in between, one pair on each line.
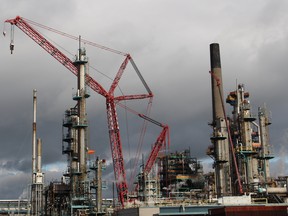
219, 139
37, 175
265, 153
75, 140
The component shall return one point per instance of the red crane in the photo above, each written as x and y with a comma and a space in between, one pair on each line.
53, 51
113, 126
159, 144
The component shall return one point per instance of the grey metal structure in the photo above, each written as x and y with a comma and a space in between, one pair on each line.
17, 207
75, 144
219, 139
37, 175
240, 147
265, 154
251, 141
98, 166
244, 139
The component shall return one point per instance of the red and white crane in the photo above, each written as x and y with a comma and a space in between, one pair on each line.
111, 99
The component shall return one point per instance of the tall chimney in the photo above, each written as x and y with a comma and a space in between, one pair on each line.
217, 75
220, 133
34, 137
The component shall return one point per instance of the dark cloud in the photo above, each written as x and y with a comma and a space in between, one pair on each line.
170, 46
13, 183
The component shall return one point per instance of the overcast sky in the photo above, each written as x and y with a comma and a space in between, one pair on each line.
169, 41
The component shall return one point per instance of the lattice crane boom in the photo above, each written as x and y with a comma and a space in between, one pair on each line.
54, 51
160, 143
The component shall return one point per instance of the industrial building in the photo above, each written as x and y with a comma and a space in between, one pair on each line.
168, 183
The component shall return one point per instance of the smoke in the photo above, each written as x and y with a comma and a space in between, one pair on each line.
25, 194
279, 164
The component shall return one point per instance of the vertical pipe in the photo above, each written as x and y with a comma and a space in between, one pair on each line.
99, 164
81, 140
34, 136
264, 140
82, 114
39, 155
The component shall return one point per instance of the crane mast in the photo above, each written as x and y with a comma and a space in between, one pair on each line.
114, 131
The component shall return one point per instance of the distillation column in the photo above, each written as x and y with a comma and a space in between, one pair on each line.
34, 136
98, 179
75, 141
246, 149
81, 122
245, 134
220, 133
265, 154
37, 175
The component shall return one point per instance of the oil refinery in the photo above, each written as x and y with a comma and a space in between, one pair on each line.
167, 183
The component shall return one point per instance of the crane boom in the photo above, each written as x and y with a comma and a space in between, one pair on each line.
119, 74
53, 51
159, 144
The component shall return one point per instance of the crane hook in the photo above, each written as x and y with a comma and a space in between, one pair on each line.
12, 39
11, 47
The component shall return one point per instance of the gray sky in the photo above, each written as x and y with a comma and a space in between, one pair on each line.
169, 41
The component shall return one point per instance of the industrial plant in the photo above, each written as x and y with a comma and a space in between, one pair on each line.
167, 183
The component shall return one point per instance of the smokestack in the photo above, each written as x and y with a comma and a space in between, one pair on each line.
220, 133
34, 136
39, 155
217, 96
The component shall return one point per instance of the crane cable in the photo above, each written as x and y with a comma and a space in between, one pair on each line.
141, 138
229, 132
75, 38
